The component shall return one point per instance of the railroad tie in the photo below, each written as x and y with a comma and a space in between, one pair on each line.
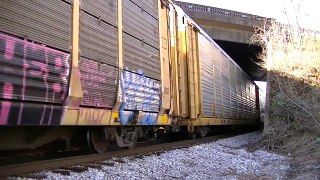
106, 163
62, 172
78, 169
93, 166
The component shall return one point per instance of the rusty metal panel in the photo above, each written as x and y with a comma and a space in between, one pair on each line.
149, 6
45, 21
140, 57
206, 72
32, 72
140, 93
98, 82
140, 24
98, 40
105, 10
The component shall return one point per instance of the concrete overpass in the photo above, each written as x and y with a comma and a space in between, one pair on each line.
232, 30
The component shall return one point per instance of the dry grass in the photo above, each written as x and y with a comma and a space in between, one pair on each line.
292, 57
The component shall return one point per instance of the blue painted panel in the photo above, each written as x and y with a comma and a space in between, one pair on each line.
140, 93
148, 119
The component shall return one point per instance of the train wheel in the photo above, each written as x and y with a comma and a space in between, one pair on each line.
133, 141
200, 131
193, 135
97, 140
203, 131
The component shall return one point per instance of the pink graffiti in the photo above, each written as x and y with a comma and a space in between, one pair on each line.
9, 51
94, 78
36, 73
7, 91
56, 87
58, 63
92, 116
5, 106
38, 61
43, 69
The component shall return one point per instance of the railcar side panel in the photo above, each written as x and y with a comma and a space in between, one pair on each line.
99, 53
225, 87
226, 92
46, 21
165, 59
98, 82
207, 77
34, 63
140, 24
192, 63
139, 57
140, 93
129, 70
217, 58
31, 73
182, 66
104, 10
149, 6
233, 89
98, 40
140, 41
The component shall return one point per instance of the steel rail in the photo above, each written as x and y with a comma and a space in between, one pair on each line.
20, 169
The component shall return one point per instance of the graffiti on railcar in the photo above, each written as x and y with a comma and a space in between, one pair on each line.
93, 116
30, 72
140, 94
148, 118
98, 83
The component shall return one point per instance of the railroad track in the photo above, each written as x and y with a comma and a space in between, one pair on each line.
66, 163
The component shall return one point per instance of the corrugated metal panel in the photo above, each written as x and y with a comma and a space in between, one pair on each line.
140, 57
233, 105
98, 40
45, 21
27, 113
206, 70
218, 81
233, 91
98, 82
106, 10
244, 98
238, 93
140, 24
141, 93
150, 6
225, 86
32, 72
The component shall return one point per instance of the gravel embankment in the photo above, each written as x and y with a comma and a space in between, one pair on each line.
223, 159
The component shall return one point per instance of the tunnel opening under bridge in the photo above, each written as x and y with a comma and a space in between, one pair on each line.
245, 55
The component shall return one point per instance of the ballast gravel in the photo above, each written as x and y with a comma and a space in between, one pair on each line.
223, 159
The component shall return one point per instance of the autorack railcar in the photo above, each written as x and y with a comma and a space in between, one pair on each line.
112, 68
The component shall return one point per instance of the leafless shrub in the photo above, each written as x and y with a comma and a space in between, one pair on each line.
292, 57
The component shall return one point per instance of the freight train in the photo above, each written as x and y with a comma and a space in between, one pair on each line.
114, 69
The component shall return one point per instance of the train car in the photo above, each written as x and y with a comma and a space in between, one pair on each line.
112, 70
209, 88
